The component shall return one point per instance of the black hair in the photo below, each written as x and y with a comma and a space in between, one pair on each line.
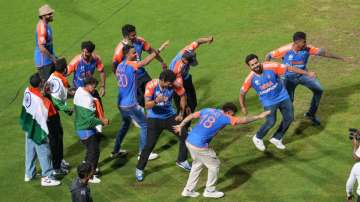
60, 65
127, 29
84, 170
35, 80
299, 36
88, 45
167, 76
250, 57
127, 48
229, 106
90, 81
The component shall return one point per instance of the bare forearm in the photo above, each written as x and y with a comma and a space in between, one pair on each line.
148, 59
203, 40
242, 100
102, 78
45, 51
150, 104
328, 54
268, 57
187, 120
182, 104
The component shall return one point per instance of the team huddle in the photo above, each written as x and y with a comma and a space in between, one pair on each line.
168, 102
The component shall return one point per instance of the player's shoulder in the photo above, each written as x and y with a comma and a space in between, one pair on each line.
249, 77
270, 64
75, 59
96, 56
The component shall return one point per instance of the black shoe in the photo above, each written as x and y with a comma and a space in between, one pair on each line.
314, 119
119, 154
60, 172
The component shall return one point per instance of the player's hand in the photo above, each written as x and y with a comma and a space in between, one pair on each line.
179, 118
264, 114
210, 39
177, 129
347, 59
105, 121
160, 98
163, 66
311, 74
164, 45
102, 91
244, 111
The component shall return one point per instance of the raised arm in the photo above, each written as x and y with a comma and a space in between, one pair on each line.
153, 54
203, 40
158, 58
325, 53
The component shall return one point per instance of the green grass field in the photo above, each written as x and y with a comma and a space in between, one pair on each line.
317, 161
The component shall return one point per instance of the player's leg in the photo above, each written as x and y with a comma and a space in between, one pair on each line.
154, 129
182, 155
286, 109
315, 86
270, 122
141, 85
191, 93
30, 159
197, 166
290, 85
212, 162
126, 121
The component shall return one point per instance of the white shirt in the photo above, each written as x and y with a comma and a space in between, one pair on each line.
354, 175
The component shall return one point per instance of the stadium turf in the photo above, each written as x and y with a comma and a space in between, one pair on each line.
317, 161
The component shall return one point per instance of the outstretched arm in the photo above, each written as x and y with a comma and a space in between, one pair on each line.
248, 119
328, 54
190, 117
158, 58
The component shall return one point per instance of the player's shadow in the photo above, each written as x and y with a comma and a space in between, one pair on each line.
332, 102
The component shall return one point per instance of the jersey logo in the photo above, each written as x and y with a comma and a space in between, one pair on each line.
27, 99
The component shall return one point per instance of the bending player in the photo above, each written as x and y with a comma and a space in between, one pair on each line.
197, 142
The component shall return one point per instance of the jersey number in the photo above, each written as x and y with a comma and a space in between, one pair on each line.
123, 80
208, 121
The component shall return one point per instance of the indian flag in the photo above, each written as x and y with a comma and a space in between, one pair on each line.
57, 88
85, 110
34, 115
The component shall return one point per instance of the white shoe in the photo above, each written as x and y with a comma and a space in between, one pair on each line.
152, 156
278, 143
213, 194
259, 143
188, 193
48, 182
94, 180
27, 179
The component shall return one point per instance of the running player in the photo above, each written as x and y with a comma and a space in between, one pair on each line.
265, 79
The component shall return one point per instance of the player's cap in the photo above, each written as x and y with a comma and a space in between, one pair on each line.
45, 10
190, 56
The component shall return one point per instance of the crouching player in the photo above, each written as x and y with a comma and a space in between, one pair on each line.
197, 142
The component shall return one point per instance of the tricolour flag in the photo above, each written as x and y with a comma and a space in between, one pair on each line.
34, 114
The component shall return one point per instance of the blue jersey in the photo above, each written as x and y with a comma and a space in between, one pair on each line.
211, 121
126, 76
83, 69
139, 44
294, 58
180, 69
162, 110
268, 84
43, 36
